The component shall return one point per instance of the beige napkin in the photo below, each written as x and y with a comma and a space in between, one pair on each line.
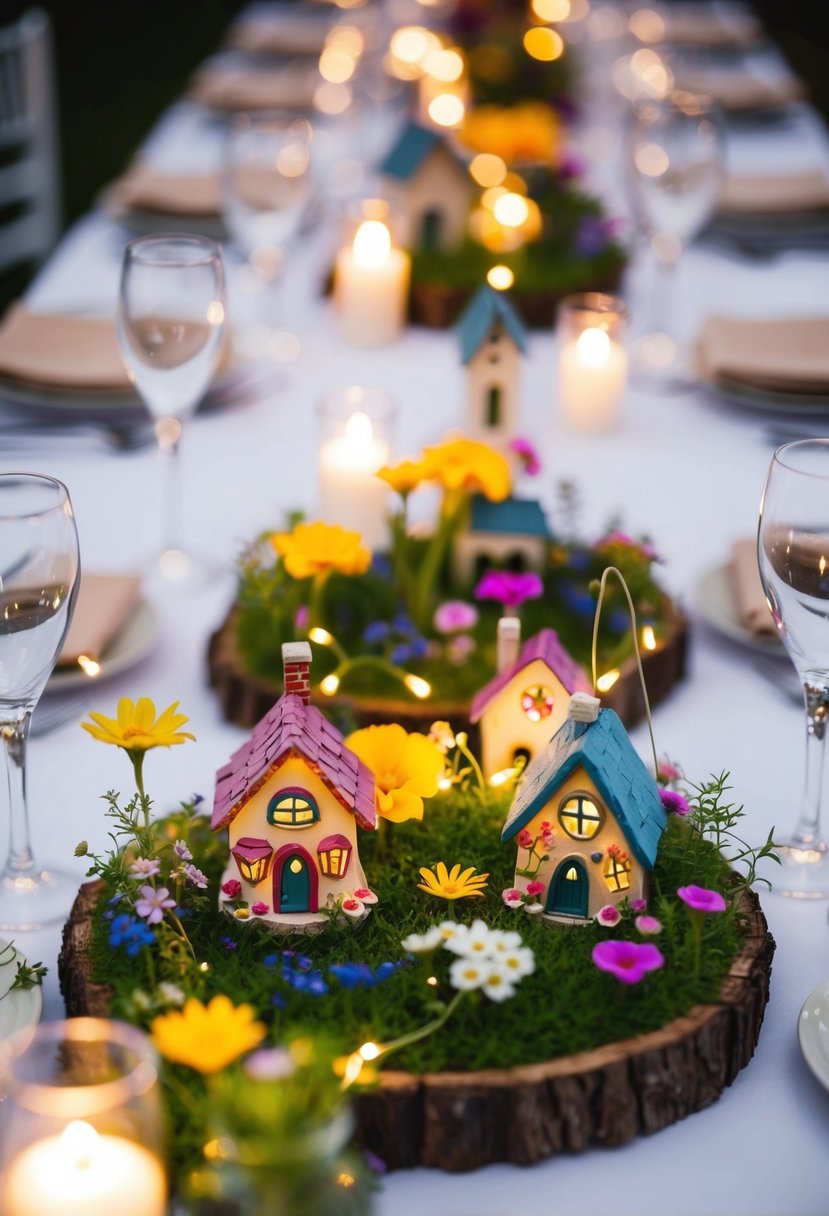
741, 90
749, 596
103, 606
702, 25
290, 85
143, 188
301, 33
790, 354
775, 194
59, 350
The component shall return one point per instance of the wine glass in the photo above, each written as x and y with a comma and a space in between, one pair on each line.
675, 167
793, 554
267, 188
171, 320
39, 576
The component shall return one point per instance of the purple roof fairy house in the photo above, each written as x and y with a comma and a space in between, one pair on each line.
525, 704
292, 798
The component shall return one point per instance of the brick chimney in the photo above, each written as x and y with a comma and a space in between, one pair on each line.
509, 642
296, 670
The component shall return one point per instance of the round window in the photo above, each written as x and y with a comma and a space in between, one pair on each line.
537, 702
580, 816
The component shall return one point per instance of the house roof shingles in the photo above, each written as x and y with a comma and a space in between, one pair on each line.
292, 728
606, 753
543, 645
487, 308
524, 516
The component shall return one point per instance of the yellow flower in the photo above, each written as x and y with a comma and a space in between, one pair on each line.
207, 1037
406, 767
136, 728
528, 132
452, 884
465, 464
319, 548
405, 476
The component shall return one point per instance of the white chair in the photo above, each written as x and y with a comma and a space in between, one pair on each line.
29, 174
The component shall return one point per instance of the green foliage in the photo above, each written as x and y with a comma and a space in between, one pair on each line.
27, 975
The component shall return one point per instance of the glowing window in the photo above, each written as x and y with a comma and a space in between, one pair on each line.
580, 816
293, 809
617, 872
334, 855
537, 702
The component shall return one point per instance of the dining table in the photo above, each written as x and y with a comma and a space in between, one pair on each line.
686, 470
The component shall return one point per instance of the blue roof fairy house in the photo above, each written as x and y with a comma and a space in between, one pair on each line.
428, 188
587, 817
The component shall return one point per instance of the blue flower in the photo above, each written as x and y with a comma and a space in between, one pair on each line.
618, 620
278, 1001
131, 933
310, 982
360, 975
419, 648
404, 625
375, 633
229, 943
270, 960
401, 654
381, 565
592, 235
579, 559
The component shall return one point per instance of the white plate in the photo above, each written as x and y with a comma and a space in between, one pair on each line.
21, 1009
813, 1032
766, 400
715, 604
134, 642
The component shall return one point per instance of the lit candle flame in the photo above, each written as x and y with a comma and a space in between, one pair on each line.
593, 347
372, 244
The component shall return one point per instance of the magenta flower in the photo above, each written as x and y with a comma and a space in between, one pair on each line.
667, 772
648, 926
259, 909
194, 875
527, 453
145, 867
508, 588
700, 899
628, 961
638, 905
302, 618
153, 904
181, 850
674, 803
525, 839
608, 916
455, 616
535, 888
232, 889
512, 897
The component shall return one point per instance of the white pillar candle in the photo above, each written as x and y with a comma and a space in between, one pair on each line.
350, 493
592, 373
372, 286
81, 1172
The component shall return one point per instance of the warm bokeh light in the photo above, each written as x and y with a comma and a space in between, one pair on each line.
652, 71
370, 1051
648, 638
336, 65
446, 110
321, 636
606, 682
90, 667
347, 38
444, 65
372, 244
500, 277
418, 687
647, 25
332, 98
550, 10
593, 347
651, 160
329, 685
487, 169
412, 43
544, 44
511, 210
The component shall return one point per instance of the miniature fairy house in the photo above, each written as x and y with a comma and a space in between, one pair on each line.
512, 534
587, 816
492, 341
428, 187
291, 799
525, 704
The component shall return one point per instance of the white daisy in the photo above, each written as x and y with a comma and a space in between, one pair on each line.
476, 943
504, 941
468, 973
422, 943
497, 986
517, 963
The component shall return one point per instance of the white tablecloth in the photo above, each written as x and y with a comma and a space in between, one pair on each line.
685, 469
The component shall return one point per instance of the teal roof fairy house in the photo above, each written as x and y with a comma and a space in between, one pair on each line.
587, 817
487, 310
427, 188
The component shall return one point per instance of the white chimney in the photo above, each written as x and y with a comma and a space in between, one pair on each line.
509, 642
583, 707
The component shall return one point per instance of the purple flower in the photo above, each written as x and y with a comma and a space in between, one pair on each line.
674, 803
302, 618
571, 167
638, 905
592, 235
454, 616
609, 915
270, 1064
145, 867
527, 453
509, 588
181, 850
700, 899
229, 943
376, 632
194, 875
628, 961
648, 926
153, 904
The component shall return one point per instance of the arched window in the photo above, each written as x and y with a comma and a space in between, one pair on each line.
294, 808
580, 816
617, 871
493, 405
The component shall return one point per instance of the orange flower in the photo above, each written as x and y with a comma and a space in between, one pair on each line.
319, 548
528, 132
405, 476
465, 464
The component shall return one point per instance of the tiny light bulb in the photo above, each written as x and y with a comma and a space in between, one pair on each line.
648, 637
369, 1051
329, 685
500, 277
593, 347
321, 636
418, 687
606, 682
372, 244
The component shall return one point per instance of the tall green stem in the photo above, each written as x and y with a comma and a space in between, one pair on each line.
451, 515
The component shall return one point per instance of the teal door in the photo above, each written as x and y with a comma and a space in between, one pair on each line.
295, 885
568, 890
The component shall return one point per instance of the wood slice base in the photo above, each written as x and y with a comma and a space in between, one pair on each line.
245, 698
457, 1121
439, 305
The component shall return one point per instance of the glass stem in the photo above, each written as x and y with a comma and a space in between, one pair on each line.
21, 859
168, 432
807, 830
663, 296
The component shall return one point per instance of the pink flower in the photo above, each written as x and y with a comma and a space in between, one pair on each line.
700, 899
181, 850
365, 895
153, 904
638, 905
259, 909
512, 897
352, 906
525, 839
232, 889
648, 926
548, 839
270, 1064
145, 867
302, 618
508, 588
194, 875
459, 648
455, 616
609, 915
628, 961
627, 542
667, 772
674, 803
527, 453
535, 888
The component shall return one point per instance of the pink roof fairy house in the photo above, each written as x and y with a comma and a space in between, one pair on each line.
524, 705
291, 799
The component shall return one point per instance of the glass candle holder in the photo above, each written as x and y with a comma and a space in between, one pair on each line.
356, 427
371, 278
592, 360
81, 1124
